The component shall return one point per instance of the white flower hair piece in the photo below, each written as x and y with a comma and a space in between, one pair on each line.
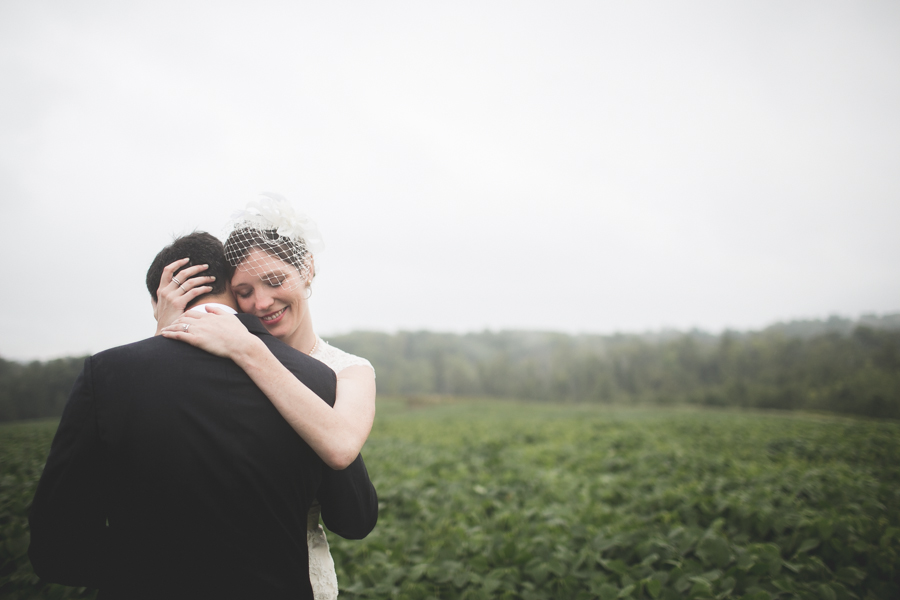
285, 235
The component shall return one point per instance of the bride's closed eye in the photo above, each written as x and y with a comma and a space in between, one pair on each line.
272, 280
275, 279
242, 291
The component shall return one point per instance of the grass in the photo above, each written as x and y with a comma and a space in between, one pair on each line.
499, 499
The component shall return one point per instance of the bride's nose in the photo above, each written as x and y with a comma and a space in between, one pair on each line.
264, 301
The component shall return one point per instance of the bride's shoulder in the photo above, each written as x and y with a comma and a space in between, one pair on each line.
336, 358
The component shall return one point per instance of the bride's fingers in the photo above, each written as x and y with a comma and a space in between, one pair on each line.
179, 326
187, 273
186, 286
183, 287
175, 335
167, 273
189, 295
189, 317
188, 328
194, 315
173, 266
185, 279
173, 330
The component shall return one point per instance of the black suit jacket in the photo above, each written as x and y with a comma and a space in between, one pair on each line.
173, 476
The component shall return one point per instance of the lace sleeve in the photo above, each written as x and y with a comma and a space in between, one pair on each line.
337, 359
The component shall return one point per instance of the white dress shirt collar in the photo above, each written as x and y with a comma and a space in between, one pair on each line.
202, 307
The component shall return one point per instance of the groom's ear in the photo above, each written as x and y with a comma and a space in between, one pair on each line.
155, 309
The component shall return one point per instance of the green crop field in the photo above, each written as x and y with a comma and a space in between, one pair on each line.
497, 499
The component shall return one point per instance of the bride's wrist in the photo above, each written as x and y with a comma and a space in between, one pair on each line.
249, 351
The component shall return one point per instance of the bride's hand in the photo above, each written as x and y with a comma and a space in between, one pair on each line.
176, 292
218, 332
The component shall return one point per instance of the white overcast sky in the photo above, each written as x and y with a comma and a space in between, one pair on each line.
572, 166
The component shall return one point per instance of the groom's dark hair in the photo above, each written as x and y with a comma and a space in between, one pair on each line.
203, 249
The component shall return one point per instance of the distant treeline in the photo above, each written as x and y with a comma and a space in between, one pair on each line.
36, 389
836, 365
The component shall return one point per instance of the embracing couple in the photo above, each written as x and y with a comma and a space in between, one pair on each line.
197, 463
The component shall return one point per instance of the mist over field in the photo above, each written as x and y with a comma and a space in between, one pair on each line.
835, 365
578, 167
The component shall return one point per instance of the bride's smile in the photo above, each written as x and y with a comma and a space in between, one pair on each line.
273, 318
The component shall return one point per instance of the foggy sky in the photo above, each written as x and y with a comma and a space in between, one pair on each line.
576, 166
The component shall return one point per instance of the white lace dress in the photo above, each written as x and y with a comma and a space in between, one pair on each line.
321, 566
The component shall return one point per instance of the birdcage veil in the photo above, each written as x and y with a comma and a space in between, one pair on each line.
269, 223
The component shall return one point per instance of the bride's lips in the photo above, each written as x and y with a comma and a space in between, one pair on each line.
272, 318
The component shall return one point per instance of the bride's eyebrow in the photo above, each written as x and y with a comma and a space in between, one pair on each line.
272, 274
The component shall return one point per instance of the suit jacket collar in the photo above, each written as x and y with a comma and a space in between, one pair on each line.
253, 324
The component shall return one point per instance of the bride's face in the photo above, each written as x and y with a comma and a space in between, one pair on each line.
276, 295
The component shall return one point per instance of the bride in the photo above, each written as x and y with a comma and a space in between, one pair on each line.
272, 247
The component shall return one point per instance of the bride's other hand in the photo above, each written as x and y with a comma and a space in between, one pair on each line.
218, 332
175, 292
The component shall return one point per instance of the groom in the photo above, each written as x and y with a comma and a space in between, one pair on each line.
173, 476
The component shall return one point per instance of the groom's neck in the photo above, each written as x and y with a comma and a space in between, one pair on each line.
227, 299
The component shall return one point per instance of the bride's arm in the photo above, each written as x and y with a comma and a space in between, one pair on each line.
336, 434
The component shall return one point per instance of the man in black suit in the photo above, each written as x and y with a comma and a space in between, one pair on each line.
173, 476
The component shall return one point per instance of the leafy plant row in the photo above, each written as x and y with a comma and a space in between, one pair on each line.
513, 501
499, 499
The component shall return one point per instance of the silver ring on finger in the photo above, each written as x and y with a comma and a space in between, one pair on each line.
182, 288
175, 279
185, 326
